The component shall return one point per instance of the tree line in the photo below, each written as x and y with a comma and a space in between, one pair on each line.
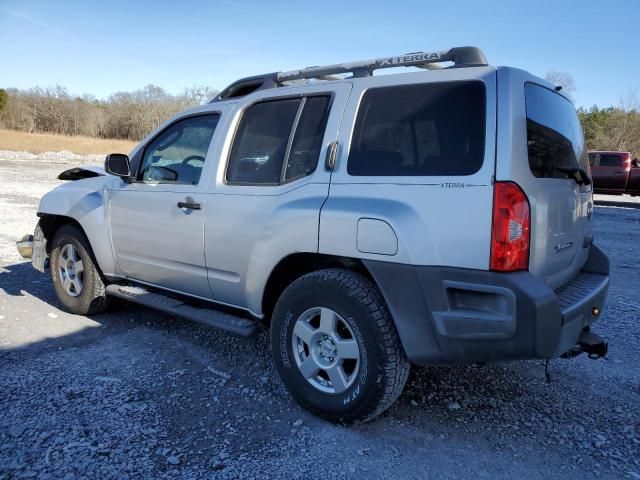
123, 115
131, 115
612, 128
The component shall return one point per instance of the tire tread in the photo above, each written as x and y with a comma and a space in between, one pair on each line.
396, 366
97, 301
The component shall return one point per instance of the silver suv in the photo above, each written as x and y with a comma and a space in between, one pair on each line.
438, 216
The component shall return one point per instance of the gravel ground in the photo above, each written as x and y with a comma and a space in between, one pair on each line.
138, 394
617, 198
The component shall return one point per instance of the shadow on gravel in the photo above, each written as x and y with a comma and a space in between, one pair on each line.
33, 316
21, 278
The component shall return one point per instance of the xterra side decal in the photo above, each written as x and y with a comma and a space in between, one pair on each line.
441, 184
459, 185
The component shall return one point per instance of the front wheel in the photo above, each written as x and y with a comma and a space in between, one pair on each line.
76, 279
336, 348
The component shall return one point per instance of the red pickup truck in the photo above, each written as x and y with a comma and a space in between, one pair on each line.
614, 172
633, 184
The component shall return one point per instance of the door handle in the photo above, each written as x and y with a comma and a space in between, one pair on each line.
189, 205
330, 159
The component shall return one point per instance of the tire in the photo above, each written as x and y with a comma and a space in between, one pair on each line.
85, 293
364, 386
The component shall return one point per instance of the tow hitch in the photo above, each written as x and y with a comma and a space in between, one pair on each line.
593, 345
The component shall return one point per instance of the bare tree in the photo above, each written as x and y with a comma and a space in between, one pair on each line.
127, 115
562, 79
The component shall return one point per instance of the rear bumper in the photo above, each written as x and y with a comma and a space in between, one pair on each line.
453, 315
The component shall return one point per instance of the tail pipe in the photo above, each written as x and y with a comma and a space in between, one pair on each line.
590, 343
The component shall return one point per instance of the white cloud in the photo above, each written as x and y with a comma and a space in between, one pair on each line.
37, 23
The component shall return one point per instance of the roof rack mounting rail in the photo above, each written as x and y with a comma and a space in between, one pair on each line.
459, 56
247, 85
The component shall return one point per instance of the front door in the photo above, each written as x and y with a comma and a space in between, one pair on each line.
157, 219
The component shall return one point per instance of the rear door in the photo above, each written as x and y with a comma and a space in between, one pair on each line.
541, 148
264, 202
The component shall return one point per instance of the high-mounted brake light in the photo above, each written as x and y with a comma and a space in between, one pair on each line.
510, 236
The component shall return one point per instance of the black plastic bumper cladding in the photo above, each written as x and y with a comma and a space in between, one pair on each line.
454, 315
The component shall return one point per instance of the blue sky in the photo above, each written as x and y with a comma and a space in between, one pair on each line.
101, 47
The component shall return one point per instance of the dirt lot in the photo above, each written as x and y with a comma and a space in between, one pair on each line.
137, 394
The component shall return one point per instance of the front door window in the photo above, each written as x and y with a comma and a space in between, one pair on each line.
177, 155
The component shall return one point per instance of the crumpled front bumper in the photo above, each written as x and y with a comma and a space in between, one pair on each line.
25, 246
34, 247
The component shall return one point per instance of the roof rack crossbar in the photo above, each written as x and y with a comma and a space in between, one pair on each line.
460, 56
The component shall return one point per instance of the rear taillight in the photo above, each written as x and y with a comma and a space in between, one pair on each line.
510, 231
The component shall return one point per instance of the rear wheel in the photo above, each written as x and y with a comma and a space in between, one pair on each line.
76, 279
336, 348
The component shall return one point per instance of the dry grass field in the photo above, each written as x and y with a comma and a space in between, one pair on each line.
44, 142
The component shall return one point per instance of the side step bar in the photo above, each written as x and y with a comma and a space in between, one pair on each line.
209, 316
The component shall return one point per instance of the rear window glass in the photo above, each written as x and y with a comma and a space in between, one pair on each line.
260, 144
554, 136
307, 141
420, 130
610, 160
278, 141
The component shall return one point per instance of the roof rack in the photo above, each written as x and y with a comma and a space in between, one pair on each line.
460, 56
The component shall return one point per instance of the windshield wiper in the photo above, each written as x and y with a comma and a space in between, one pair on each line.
580, 174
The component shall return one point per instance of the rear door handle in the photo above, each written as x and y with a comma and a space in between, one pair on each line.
189, 205
330, 159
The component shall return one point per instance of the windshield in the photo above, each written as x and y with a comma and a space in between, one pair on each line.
554, 136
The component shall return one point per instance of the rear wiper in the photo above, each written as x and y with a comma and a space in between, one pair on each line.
579, 173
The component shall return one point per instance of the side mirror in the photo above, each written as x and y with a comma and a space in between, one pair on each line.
117, 164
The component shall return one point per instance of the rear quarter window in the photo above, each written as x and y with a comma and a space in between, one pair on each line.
420, 130
611, 160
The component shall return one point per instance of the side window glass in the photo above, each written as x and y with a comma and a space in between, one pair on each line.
278, 141
611, 161
307, 142
429, 129
177, 155
261, 141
